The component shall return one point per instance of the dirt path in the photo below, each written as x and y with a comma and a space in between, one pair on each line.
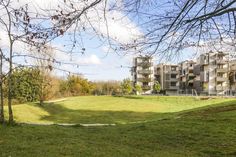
69, 124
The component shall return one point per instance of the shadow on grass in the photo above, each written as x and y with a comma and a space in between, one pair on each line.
60, 114
211, 109
129, 97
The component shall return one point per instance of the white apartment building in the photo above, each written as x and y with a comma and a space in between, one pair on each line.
167, 75
214, 69
211, 74
143, 73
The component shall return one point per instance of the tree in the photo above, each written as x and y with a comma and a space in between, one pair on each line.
26, 84
17, 24
157, 87
36, 29
171, 26
76, 85
106, 88
1, 88
44, 62
138, 89
126, 86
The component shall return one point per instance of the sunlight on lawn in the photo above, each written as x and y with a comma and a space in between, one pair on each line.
107, 109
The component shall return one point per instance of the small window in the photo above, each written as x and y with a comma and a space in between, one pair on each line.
173, 76
173, 83
202, 68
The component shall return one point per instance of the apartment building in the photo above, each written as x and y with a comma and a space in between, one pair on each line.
167, 75
211, 74
232, 77
214, 69
186, 76
143, 73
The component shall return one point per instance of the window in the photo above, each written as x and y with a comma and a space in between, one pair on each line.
173, 83
201, 68
173, 76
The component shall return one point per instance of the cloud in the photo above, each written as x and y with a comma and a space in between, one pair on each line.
91, 60
114, 24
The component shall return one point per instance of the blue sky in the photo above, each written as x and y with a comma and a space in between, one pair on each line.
96, 63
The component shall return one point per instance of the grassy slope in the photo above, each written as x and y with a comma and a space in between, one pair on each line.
106, 109
209, 131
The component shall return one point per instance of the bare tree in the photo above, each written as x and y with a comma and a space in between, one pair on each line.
170, 26
1, 88
36, 29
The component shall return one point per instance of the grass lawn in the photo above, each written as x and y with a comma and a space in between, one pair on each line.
181, 126
107, 109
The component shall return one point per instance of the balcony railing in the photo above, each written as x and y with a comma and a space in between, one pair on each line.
221, 88
222, 70
221, 79
145, 64
173, 72
190, 81
221, 61
191, 74
204, 62
144, 79
174, 87
145, 87
173, 79
145, 71
190, 68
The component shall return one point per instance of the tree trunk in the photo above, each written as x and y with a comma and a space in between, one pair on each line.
11, 120
1, 91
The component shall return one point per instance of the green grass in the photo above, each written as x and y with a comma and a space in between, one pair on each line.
107, 109
182, 126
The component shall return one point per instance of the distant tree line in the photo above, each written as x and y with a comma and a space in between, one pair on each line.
31, 85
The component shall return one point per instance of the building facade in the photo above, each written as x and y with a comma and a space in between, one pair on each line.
211, 74
232, 77
186, 76
214, 69
143, 73
167, 75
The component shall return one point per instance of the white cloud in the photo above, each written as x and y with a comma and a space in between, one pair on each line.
91, 60
118, 26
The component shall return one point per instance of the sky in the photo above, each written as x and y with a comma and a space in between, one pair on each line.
96, 63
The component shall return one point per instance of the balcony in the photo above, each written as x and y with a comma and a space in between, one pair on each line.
221, 79
190, 68
146, 87
173, 72
221, 88
190, 81
173, 79
221, 61
222, 70
144, 59
145, 64
191, 74
173, 87
145, 71
204, 62
204, 77
145, 79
